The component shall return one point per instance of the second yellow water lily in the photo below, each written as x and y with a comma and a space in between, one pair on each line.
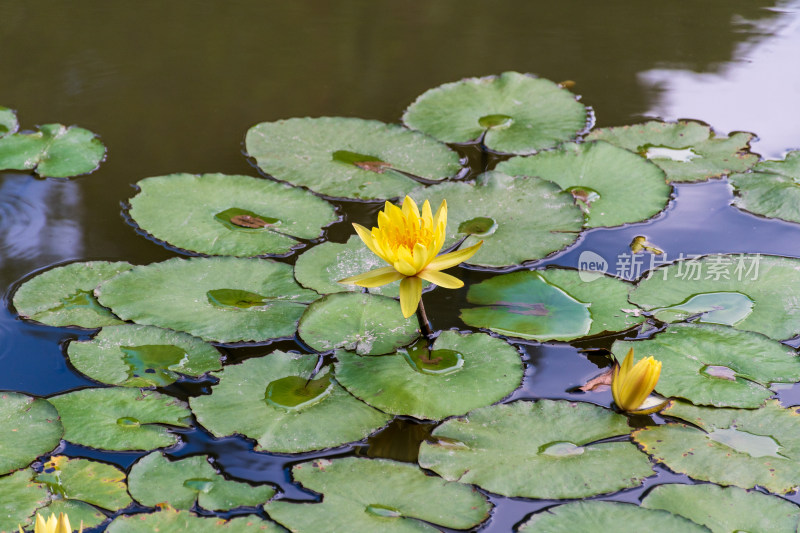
410, 242
52, 524
632, 384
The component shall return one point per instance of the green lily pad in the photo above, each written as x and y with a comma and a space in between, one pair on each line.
142, 356
364, 323
533, 217
462, 372
513, 113
685, 150
222, 299
610, 184
771, 190
606, 516
119, 418
85, 480
742, 447
292, 418
549, 304
322, 266
405, 499
723, 510
8, 121
168, 520
183, 483
522, 304
62, 296
55, 151
771, 283
216, 214
726, 308
537, 449
30, 428
349, 157
20, 497
716, 365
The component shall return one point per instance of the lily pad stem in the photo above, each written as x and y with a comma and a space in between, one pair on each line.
423, 320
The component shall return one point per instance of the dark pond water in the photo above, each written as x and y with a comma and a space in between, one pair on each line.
173, 87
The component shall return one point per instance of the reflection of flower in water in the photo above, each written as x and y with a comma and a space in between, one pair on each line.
410, 241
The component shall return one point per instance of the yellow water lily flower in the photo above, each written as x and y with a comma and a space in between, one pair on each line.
632, 384
53, 524
409, 242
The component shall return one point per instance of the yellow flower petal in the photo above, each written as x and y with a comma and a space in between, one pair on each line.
452, 259
63, 525
405, 267
410, 295
632, 384
441, 279
441, 215
426, 213
410, 208
420, 255
373, 278
368, 239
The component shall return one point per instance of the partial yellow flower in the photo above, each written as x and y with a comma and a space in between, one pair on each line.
53, 524
409, 242
632, 384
